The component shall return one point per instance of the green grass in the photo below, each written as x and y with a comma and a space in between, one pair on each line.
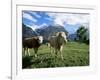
75, 54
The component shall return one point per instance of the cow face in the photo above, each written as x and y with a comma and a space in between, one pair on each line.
40, 39
63, 35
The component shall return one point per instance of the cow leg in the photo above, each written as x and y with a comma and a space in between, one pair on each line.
61, 52
28, 51
25, 53
52, 50
56, 52
35, 50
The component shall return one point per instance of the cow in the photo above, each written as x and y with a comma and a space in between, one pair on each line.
33, 42
57, 42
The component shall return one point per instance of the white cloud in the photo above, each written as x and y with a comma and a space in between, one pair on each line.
59, 21
48, 18
61, 18
52, 15
28, 16
57, 18
35, 14
78, 18
86, 25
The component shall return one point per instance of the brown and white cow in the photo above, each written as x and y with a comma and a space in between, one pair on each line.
33, 42
57, 42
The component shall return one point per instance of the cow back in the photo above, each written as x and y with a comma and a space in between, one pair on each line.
31, 43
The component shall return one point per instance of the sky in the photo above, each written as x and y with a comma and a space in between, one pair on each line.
70, 21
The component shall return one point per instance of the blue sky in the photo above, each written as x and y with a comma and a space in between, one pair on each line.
70, 21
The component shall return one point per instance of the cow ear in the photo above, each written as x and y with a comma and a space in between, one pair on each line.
58, 33
37, 38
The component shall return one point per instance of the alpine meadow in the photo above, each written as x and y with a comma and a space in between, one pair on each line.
54, 39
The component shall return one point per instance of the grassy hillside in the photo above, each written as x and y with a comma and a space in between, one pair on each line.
75, 54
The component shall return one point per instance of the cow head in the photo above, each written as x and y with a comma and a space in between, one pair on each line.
40, 39
63, 35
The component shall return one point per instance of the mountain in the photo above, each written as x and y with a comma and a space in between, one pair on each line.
50, 30
46, 32
72, 37
27, 32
